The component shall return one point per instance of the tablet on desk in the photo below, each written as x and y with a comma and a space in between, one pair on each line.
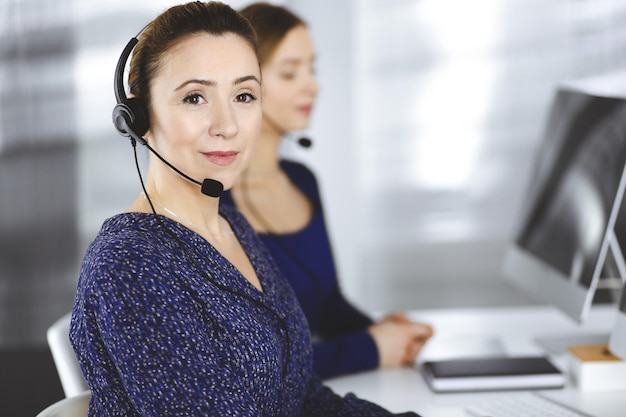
487, 374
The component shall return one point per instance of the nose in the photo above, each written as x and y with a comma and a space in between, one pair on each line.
311, 85
223, 122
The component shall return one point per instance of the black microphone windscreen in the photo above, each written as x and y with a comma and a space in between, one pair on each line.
212, 188
305, 142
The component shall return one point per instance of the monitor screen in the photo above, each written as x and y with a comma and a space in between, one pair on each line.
563, 239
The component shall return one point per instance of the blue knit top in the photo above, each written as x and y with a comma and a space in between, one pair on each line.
342, 343
164, 325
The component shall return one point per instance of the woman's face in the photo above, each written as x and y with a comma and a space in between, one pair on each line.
205, 111
289, 84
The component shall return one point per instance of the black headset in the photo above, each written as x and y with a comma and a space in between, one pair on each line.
130, 115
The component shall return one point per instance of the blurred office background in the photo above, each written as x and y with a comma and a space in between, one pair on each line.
429, 117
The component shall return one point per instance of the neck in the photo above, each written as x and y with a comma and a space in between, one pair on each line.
269, 127
170, 193
200, 225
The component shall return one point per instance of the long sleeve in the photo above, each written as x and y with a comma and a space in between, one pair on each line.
346, 354
345, 346
339, 317
342, 344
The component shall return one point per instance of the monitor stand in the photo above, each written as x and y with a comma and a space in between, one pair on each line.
616, 265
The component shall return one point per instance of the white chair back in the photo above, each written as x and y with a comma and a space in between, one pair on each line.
76, 406
72, 379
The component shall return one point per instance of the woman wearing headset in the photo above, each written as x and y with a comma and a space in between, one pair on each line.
281, 200
179, 309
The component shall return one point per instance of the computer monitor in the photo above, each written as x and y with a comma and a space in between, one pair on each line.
568, 226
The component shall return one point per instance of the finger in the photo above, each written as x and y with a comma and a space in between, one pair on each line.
422, 331
397, 317
413, 350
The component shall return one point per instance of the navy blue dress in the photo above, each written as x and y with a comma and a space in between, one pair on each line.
163, 325
342, 344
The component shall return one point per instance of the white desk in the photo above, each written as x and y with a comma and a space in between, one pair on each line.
406, 390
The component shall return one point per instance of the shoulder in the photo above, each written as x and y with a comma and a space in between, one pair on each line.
128, 232
128, 246
136, 266
302, 176
296, 169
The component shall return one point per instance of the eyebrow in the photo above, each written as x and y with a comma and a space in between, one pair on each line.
211, 83
246, 78
295, 60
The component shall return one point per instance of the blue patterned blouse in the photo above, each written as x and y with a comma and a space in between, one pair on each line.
163, 325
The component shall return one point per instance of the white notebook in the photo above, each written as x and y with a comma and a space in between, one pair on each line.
501, 373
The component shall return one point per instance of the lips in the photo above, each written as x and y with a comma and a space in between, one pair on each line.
221, 158
305, 109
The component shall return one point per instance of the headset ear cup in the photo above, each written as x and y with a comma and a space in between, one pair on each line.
131, 114
141, 123
122, 119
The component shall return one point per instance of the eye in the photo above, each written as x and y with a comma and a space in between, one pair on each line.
245, 98
194, 99
288, 75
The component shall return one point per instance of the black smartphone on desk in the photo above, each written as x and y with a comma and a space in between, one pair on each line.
489, 374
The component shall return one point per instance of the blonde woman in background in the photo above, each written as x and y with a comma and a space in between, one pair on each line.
281, 200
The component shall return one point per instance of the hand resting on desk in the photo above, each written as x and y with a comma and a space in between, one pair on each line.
399, 339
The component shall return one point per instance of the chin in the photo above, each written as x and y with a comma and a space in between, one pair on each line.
299, 126
228, 182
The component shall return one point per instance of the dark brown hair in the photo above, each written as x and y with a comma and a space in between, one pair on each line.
271, 23
174, 25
